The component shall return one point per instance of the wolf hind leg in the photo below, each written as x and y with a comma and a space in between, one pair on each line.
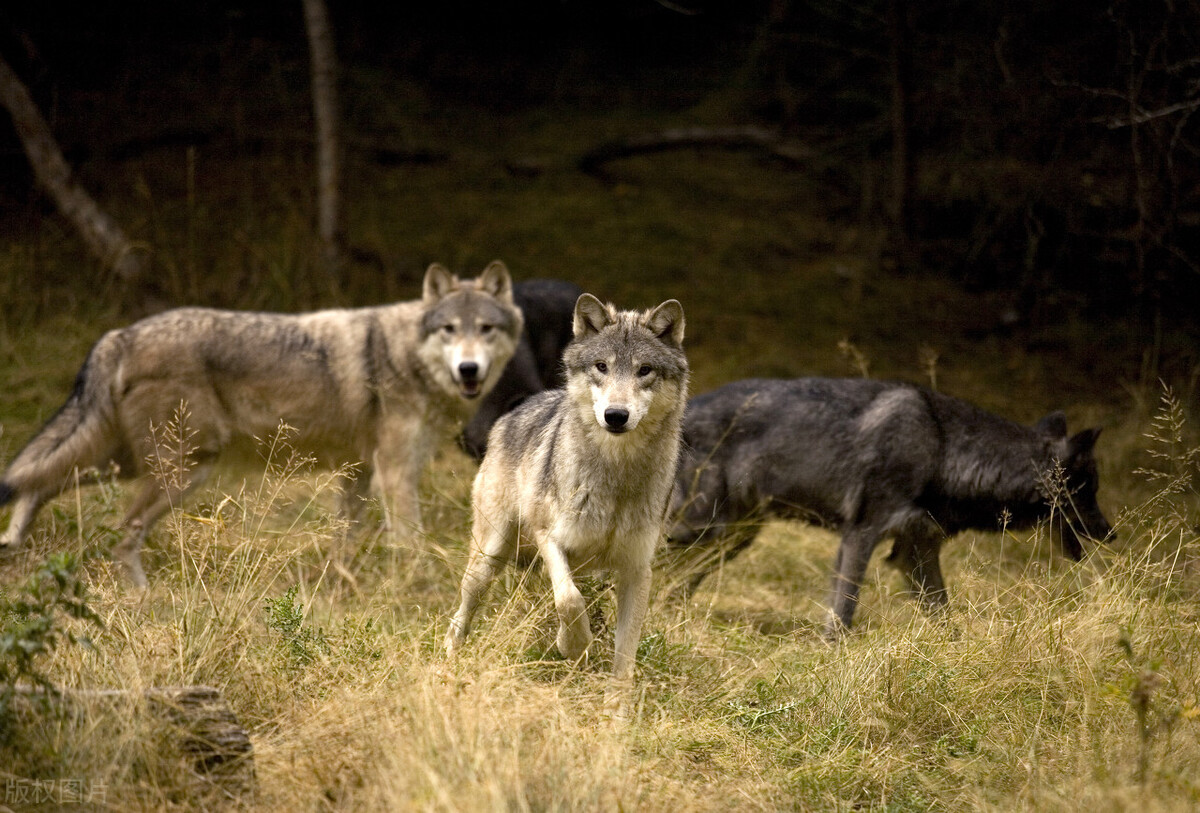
488, 555
915, 553
23, 511
154, 500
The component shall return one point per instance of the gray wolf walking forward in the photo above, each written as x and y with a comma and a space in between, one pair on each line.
582, 476
549, 308
372, 386
874, 459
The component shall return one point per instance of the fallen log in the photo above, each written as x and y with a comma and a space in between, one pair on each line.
729, 138
196, 722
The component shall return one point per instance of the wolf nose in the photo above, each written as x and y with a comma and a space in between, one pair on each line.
469, 370
616, 418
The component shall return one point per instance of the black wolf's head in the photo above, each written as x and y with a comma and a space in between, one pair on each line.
1072, 492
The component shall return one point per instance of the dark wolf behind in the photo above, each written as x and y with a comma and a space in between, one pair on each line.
873, 459
373, 388
549, 307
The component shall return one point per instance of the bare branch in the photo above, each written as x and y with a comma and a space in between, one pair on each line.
103, 237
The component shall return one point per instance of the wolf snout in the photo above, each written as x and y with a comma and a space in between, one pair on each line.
468, 374
615, 419
1097, 528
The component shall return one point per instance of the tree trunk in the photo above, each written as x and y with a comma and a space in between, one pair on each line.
901, 116
104, 238
325, 112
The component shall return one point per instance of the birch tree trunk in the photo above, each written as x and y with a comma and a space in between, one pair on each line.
325, 113
103, 237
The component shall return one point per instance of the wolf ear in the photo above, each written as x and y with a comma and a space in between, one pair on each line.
496, 280
1053, 425
666, 322
1082, 443
591, 316
438, 282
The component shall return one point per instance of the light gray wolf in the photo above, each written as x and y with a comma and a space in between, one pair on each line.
874, 459
582, 476
369, 387
549, 308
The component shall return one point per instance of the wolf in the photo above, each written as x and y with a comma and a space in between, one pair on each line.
549, 307
582, 476
371, 388
874, 459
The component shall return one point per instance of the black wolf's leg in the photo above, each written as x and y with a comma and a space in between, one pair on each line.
692, 562
853, 554
915, 553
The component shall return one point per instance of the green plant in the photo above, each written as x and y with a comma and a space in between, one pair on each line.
1154, 715
301, 644
31, 626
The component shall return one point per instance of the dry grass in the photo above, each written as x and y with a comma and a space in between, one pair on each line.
1050, 686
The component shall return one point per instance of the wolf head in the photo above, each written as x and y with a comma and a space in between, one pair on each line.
469, 329
628, 366
1076, 497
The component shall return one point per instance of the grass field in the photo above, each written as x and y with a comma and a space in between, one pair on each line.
1051, 686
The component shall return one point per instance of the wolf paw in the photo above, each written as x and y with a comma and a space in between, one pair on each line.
454, 639
132, 564
573, 641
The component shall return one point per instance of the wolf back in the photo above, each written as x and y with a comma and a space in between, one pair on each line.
368, 387
582, 476
873, 459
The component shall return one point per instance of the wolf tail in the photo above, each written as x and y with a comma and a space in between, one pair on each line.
81, 434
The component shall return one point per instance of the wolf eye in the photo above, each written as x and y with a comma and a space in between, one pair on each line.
601, 367
448, 330
486, 329
645, 370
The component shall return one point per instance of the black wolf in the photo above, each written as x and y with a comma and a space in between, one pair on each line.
873, 459
549, 308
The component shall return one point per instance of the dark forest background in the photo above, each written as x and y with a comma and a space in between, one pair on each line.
1046, 150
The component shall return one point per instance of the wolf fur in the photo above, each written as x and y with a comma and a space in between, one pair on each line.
549, 308
582, 476
873, 459
370, 387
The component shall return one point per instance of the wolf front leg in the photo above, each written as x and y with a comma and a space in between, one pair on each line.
853, 554
633, 596
353, 497
399, 459
574, 633
915, 553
